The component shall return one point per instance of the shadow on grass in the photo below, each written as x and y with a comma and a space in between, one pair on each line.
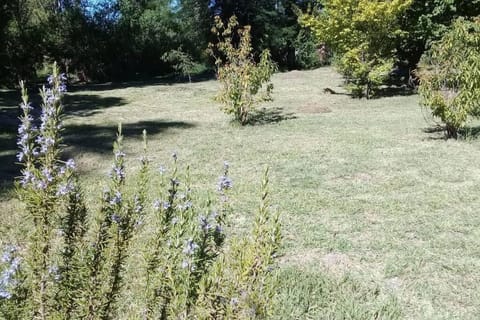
467, 133
143, 82
79, 138
8, 167
84, 105
95, 138
9, 113
269, 115
393, 91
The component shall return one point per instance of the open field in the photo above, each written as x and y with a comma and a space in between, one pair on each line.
380, 217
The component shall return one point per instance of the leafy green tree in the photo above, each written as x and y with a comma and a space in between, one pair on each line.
183, 63
274, 27
426, 21
363, 34
450, 76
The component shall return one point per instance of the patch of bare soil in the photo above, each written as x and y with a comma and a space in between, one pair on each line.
313, 108
334, 262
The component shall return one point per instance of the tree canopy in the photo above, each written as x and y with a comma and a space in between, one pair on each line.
111, 39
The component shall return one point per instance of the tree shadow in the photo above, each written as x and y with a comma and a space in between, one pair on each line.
142, 82
100, 138
80, 138
436, 132
8, 168
85, 105
269, 115
394, 91
9, 110
9, 113
470, 132
81, 105
466, 133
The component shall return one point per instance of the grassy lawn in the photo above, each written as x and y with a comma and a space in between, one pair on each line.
379, 216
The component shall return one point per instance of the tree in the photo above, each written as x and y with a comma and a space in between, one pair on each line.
274, 27
426, 21
241, 77
450, 76
363, 34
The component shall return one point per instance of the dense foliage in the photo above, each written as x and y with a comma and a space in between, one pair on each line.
450, 76
152, 248
426, 21
363, 35
112, 39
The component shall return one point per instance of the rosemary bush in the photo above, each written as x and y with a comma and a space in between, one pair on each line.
242, 78
153, 240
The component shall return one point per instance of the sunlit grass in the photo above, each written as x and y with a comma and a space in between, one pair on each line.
379, 217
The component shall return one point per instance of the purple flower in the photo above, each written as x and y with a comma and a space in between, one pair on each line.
7, 277
26, 107
47, 174
156, 204
119, 155
162, 169
35, 152
118, 172
41, 185
188, 265
27, 178
185, 206
45, 143
22, 129
224, 183
204, 224
190, 247
70, 164
166, 205
65, 189
116, 218
23, 139
117, 198
62, 88
55, 272
8, 254
137, 205
20, 156
174, 156
50, 96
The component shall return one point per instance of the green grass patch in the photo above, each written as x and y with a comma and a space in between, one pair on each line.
380, 218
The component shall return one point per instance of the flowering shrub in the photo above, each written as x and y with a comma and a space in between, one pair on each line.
241, 77
152, 240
